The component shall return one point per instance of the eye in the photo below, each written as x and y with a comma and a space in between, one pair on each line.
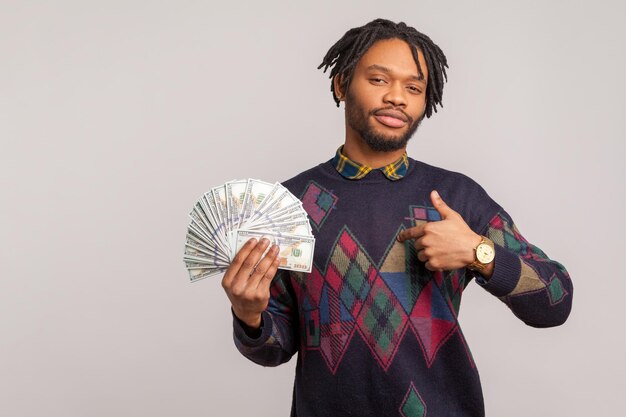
414, 89
376, 80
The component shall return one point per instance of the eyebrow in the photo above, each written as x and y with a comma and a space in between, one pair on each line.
388, 71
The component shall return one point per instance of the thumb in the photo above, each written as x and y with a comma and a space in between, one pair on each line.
444, 210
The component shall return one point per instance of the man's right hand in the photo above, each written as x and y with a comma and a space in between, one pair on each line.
247, 287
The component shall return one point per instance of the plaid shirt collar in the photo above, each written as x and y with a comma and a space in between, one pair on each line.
354, 171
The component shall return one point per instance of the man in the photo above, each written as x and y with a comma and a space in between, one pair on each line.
397, 241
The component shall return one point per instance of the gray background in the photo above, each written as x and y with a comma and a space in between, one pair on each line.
116, 116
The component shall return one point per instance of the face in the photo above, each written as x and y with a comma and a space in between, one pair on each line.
386, 98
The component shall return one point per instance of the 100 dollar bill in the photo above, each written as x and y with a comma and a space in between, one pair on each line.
295, 252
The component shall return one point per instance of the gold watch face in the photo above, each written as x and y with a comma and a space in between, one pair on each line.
485, 253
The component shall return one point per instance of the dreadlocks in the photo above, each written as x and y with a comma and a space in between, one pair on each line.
345, 54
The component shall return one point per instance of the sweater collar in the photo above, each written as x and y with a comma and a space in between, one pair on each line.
352, 170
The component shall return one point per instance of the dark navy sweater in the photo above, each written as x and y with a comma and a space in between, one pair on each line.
375, 331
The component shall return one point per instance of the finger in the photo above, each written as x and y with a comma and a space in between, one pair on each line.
430, 267
250, 262
419, 244
412, 233
422, 256
262, 267
266, 281
444, 210
238, 260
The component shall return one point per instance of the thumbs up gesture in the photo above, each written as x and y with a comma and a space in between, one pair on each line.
444, 245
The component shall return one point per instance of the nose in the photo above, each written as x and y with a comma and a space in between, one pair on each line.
395, 95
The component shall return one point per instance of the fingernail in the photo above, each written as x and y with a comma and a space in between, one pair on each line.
274, 248
436, 193
264, 241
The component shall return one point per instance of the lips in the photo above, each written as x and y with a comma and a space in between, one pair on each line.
391, 118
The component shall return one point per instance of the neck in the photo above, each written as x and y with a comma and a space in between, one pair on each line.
359, 152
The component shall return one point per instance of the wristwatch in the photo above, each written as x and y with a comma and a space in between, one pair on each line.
483, 255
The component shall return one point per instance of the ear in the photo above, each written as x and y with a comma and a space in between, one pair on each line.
337, 81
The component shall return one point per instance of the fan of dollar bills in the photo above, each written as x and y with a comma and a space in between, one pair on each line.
227, 216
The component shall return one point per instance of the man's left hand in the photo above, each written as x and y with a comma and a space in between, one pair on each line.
446, 244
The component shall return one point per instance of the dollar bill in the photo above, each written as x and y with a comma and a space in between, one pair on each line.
295, 252
282, 202
197, 274
219, 195
294, 209
276, 190
295, 227
256, 192
235, 194
193, 249
204, 262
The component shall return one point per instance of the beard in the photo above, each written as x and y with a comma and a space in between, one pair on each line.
360, 120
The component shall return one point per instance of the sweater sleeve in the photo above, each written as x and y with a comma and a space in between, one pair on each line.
537, 289
276, 343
